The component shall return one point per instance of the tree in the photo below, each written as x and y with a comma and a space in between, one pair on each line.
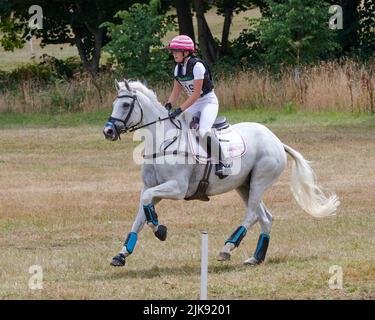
348, 37
367, 29
76, 22
185, 17
228, 9
136, 42
296, 32
206, 40
211, 48
11, 29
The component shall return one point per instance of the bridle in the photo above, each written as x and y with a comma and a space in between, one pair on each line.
125, 121
136, 126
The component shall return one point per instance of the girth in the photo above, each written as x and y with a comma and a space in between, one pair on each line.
200, 193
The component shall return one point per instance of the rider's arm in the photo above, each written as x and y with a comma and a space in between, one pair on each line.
198, 84
175, 93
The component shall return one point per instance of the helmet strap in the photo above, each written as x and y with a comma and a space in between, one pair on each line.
184, 57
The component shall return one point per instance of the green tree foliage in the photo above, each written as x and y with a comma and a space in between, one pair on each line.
10, 34
136, 45
296, 32
75, 22
348, 36
367, 28
11, 29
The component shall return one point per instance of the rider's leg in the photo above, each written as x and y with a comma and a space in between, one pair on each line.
217, 155
207, 119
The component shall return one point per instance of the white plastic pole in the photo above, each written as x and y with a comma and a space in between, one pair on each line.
204, 265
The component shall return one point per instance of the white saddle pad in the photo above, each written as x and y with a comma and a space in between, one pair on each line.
231, 142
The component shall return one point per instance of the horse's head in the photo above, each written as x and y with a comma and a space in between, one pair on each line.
126, 113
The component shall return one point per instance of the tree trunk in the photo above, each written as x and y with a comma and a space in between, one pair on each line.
81, 49
350, 33
95, 60
228, 16
185, 18
207, 43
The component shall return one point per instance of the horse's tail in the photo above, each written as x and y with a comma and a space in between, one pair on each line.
305, 189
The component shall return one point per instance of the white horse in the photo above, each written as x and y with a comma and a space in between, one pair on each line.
136, 106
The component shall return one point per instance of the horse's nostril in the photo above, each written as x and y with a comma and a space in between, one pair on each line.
109, 131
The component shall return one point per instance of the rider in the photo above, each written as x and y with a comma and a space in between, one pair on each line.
194, 77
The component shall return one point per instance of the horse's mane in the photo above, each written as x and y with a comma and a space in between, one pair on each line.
139, 86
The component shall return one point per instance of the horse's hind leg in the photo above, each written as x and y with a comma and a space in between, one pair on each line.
263, 175
265, 219
250, 219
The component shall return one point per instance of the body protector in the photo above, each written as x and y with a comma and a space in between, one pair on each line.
187, 81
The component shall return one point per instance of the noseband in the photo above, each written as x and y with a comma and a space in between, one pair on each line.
124, 122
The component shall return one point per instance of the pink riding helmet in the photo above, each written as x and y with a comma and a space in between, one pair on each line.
181, 42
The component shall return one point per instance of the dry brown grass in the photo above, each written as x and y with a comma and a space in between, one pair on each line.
346, 87
68, 198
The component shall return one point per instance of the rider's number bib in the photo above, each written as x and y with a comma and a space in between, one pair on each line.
188, 86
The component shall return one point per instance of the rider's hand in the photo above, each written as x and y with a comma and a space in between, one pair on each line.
175, 113
168, 106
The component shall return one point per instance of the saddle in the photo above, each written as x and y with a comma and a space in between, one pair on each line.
231, 143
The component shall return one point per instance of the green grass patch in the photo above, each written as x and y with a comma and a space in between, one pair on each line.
14, 120
302, 118
268, 117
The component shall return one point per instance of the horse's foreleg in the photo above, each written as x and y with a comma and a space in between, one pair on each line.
131, 239
147, 214
168, 190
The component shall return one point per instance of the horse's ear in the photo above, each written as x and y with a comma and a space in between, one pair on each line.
127, 85
117, 85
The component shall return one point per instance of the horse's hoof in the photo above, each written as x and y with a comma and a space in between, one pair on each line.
223, 256
251, 262
118, 261
161, 232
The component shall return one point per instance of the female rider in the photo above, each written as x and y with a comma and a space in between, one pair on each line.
193, 76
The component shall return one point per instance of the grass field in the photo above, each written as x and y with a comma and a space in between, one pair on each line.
68, 198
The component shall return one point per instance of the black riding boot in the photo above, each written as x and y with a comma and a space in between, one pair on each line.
222, 169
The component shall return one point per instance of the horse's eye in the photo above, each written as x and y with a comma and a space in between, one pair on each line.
125, 105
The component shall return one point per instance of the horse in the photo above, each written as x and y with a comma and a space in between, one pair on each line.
137, 107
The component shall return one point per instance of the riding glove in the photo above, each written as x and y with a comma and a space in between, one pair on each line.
168, 106
175, 113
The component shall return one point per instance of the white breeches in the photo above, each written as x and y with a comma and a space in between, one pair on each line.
208, 106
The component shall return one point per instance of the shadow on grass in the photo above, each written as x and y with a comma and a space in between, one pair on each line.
116, 273
284, 259
155, 271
